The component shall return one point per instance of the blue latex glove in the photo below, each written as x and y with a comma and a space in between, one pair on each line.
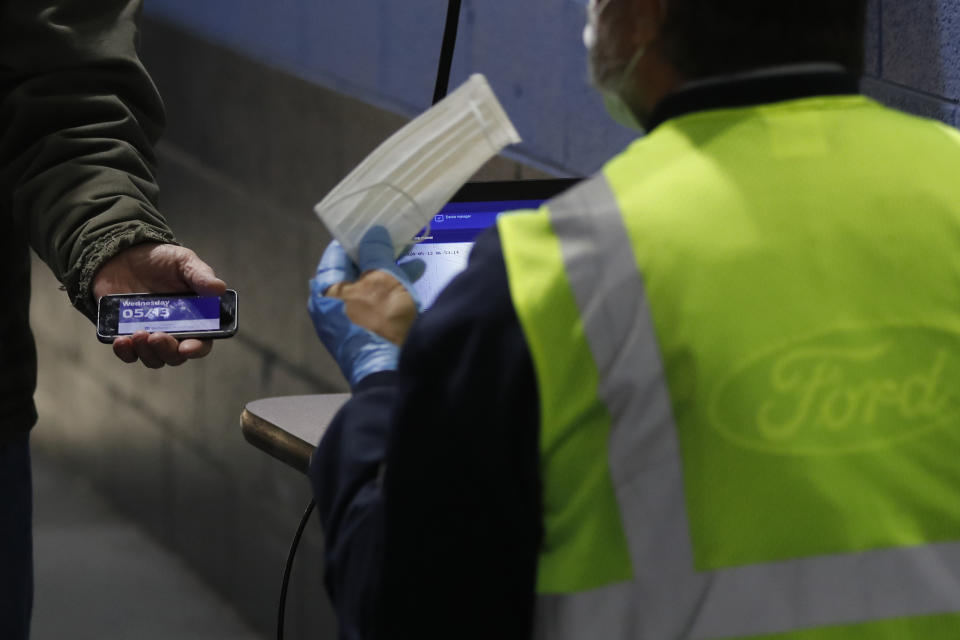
358, 351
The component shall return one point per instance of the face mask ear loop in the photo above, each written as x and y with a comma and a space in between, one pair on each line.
629, 69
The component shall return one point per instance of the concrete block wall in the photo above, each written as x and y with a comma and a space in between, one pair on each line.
269, 105
913, 57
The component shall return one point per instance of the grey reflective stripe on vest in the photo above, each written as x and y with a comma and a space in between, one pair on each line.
667, 598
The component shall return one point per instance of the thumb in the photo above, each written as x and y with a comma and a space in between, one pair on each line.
413, 269
199, 276
375, 250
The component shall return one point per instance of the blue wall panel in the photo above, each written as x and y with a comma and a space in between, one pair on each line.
410, 34
342, 39
265, 30
386, 53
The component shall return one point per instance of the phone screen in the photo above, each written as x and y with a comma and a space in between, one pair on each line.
168, 314
178, 314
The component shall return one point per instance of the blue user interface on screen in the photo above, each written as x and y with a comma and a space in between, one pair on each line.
445, 245
464, 221
169, 314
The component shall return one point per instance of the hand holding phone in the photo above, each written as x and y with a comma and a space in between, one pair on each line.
151, 267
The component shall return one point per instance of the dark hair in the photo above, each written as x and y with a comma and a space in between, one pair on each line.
711, 37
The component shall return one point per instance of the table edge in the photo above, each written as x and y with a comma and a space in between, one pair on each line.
275, 441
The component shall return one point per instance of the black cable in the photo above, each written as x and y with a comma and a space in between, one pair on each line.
288, 569
446, 51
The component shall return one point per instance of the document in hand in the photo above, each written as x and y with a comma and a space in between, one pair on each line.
408, 178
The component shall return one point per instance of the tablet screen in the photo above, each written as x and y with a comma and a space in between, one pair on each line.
445, 246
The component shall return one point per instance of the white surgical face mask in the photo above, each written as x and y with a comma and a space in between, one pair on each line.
611, 87
408, 178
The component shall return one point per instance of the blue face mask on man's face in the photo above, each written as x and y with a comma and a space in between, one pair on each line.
610, 83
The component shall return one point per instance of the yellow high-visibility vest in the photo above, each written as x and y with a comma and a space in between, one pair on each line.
746, 337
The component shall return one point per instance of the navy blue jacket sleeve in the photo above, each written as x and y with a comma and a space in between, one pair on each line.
427, 481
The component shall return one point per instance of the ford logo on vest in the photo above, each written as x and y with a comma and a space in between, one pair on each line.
841, 392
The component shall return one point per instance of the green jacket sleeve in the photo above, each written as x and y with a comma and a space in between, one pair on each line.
78, 119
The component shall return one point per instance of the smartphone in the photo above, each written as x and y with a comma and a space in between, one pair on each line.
182, 315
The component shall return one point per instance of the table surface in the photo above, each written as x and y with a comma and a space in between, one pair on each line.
289, 427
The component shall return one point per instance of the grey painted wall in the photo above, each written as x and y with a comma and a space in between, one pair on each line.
270, 102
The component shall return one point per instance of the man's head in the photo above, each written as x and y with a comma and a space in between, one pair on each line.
682, 40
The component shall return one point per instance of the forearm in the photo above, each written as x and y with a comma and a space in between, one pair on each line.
448, 530
80, 116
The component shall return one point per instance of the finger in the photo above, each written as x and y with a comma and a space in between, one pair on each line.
141, 346
123, 349
413, 269
376, 250
320, 305
199, 276
335, 266
166, 348
192, 349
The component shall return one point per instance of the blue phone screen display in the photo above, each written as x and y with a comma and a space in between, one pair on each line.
169, 314
445, 246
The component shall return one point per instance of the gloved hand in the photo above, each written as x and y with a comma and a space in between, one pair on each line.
362, 312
